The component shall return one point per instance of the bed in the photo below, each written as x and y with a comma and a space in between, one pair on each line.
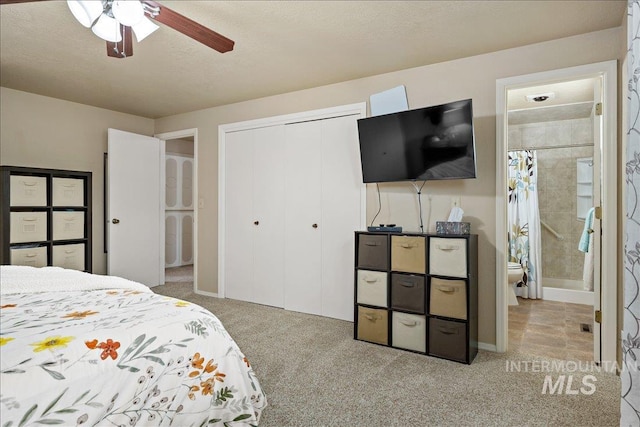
84, 349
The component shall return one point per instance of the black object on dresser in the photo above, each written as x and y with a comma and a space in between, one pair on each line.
45, 217
418, 292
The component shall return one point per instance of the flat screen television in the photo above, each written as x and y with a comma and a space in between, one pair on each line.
430, 143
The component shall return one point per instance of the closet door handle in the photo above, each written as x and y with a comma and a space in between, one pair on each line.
256, 222
315, 225
115, 221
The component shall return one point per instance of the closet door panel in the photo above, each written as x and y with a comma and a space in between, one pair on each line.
268, 206
341, 213
186, 240
303, 180
171, 235
239, 218
187, 183
171, 182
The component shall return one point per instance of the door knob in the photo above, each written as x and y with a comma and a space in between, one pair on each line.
115, 221
256, 222
315, 225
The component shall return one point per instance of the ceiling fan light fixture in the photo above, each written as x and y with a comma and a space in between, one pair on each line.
127, 12
107, 29
143, 28
85, 11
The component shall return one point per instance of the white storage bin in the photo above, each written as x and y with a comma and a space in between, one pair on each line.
69, 256
448, 257
68, 192
68, 225
409, 331
28, 227
372, 288
34, 257
28, 190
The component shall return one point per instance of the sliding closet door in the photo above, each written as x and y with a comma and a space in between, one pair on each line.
303, 177
239, 226
341, 213
254, 213
268, 208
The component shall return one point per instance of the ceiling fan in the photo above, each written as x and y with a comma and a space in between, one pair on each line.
116, 20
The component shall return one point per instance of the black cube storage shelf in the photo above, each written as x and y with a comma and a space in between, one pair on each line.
417, 292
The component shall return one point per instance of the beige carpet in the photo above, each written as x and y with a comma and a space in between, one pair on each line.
315, 374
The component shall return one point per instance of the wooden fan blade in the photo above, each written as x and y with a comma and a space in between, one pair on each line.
17, 1
123, 48
190, 28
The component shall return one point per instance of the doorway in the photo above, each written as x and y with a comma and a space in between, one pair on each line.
179, 193
579, 156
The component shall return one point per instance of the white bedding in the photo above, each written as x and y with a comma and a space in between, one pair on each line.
115, 353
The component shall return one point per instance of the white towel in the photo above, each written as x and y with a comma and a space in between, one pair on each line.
587, 272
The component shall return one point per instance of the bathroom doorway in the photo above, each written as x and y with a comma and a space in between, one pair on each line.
564, 121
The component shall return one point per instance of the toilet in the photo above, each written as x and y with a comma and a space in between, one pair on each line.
514, 275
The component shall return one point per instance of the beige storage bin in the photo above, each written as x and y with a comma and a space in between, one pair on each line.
448, 298
28, 190
448, 257
68, 192
68, 225
33, 257
409, 331
372, 288
69, 256
28, 227
408, 254
373, 325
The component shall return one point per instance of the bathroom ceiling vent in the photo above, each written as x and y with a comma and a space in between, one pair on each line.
540, 97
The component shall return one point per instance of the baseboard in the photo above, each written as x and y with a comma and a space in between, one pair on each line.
487, 347
205, 293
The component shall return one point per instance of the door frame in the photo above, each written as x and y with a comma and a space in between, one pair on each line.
609, 255
185, 133
359, 109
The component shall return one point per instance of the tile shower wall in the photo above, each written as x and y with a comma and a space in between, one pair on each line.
557, 188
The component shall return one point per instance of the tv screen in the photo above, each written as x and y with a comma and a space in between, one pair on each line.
428, 143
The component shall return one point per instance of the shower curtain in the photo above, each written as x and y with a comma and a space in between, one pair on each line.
524, 220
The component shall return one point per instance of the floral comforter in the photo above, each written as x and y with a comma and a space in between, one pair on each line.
118, 356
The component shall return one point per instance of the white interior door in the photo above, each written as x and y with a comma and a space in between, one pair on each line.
597, 229
239, 218
268, 209
303, 250
341, 213
134, 209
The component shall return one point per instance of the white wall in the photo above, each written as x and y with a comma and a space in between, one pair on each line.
43, 132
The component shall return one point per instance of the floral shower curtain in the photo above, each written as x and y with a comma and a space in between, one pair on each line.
630, 376
524, 220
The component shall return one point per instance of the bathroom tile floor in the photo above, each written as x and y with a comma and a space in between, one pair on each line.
551, 329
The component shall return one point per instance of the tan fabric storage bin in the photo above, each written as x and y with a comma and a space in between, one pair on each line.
372, 251
407, 292
33, 257
373, 325
448, 298
68, 225
68, 192
448, 339
69, 256
408, 254
372, 288
448, 257
28, 227
28, 190
409, 331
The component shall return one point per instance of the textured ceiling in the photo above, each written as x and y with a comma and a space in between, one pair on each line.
281, 46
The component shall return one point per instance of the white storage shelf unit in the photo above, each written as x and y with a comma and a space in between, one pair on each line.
45, 217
